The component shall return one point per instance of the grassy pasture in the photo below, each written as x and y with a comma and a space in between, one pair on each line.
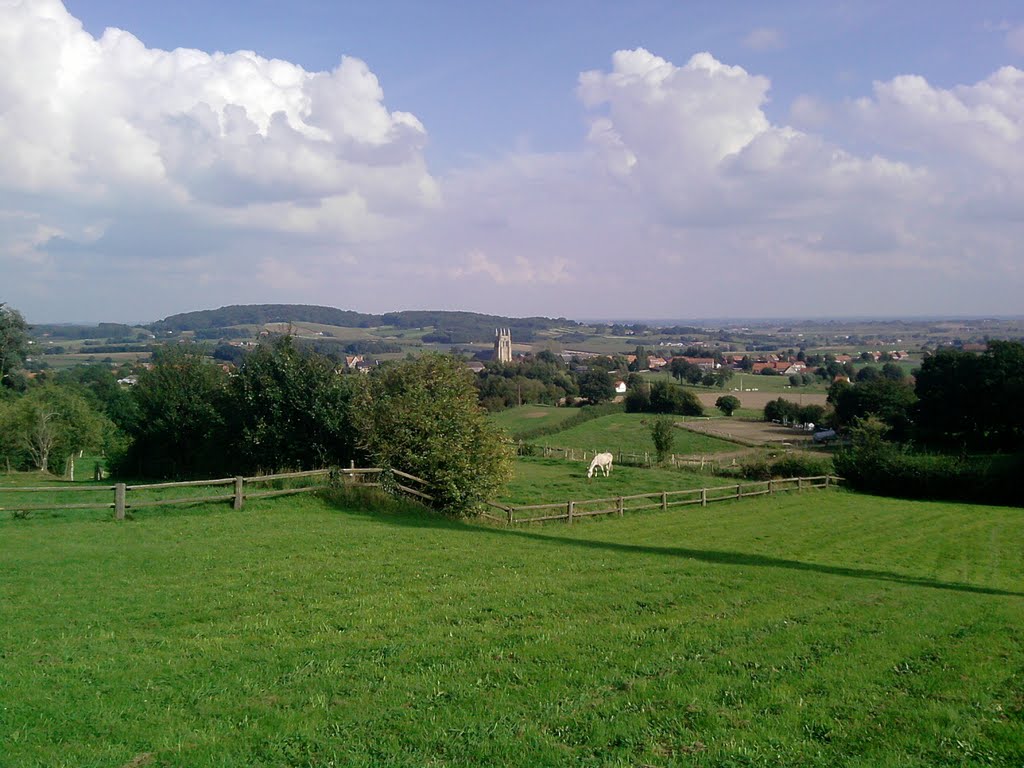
630, 432
542, 481
526, 417
827, 629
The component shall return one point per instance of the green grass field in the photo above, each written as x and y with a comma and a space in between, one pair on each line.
822, 629
519, 420
630, 432
542, 481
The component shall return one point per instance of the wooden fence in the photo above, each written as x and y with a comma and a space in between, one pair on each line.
235, 489
619, 505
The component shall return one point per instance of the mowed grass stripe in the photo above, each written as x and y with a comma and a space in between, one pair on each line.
299, 632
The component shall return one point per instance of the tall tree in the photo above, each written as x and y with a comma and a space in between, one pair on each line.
53, 422
596, 385
421, 416
663, 436
13, 342
180, 429
289, 409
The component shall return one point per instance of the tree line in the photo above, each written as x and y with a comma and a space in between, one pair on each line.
285, 408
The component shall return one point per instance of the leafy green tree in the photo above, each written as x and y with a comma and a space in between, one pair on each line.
727, 404
810, 414
638, 396
99, 386
969, 400
13, 342
666, 397
663, 437
421, 416
684, 370
596, 385
13, 453
289, 409
893, 371
51, 423
180, 428
868, 373
890, 401
780, 409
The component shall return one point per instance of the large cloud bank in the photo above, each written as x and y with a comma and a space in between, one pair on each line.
115, 149
164, 180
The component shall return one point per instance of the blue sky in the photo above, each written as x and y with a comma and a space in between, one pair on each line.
487, 77
462, 158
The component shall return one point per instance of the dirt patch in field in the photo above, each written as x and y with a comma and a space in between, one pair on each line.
753, 432
761, 399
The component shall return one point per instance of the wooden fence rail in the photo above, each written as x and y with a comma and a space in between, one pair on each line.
619, 505
367, 477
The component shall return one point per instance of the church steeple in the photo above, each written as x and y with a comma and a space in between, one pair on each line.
503, 345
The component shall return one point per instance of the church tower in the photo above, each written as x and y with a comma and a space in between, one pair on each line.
503, 345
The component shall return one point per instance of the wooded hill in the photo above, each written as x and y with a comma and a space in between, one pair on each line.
449, 327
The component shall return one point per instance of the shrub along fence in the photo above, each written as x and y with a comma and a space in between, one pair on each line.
234, 489
619, 505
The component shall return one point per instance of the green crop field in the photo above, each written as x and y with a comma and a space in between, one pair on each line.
630, 432
527, 417
821, 629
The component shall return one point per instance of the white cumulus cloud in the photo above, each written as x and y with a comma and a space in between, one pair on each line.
100, 133
172, 180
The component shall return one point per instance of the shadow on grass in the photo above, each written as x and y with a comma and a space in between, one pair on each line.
409, 514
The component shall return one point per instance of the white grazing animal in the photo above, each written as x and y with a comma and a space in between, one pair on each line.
601, 461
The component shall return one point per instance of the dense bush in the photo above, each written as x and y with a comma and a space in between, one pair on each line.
792, 464
786, 410
874, 465
663, 397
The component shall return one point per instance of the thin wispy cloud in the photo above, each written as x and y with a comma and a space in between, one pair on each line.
765, 39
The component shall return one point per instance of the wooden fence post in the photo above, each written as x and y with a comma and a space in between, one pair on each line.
569, 507
511, 515
239, 499
647, 458
799, 483
771, 487
827, 479
622, 506
120, 492
664, 500
737, 490
703, 497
